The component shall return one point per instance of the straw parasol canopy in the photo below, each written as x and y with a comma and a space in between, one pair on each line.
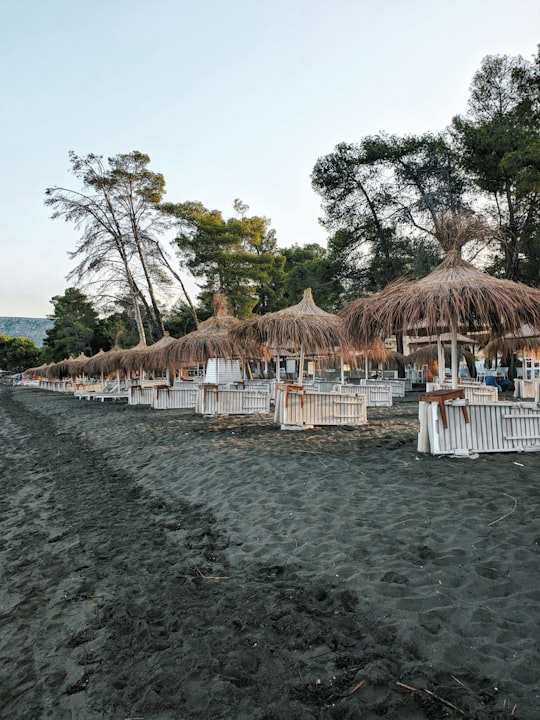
455, 296
303, 328
526, 338
41, 370
129, 359
304, 325
443, 337
429, 354
212, 339
149, 358
70, 367
105, 362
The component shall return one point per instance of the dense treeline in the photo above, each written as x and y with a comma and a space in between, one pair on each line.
382, 199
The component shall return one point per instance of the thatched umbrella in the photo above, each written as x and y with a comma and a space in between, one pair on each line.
93, 366
147, 357
212, 339
455, 296
303, 328
440, 340
376, 351
106, 363
526, 338
129, 359
42, 370
70, 367
429, 354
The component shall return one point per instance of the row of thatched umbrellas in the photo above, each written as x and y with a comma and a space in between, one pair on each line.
453, 298
303, 329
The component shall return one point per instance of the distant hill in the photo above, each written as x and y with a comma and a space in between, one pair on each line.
33, 328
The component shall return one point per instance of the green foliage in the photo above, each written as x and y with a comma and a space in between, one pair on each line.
18, 353
237, 257
4, 342
382, 197
377, 198
179, 319
499, 141
119, 250
311, 266
75, 323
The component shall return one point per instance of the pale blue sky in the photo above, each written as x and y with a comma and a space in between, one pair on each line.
230, 98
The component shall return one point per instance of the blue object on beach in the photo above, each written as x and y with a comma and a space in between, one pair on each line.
491, 380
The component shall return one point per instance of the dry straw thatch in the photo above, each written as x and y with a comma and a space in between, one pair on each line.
68, 368
527, 338
429, 354
41, 370
104, 362
211, 340
301, 327
453, 296
147, 358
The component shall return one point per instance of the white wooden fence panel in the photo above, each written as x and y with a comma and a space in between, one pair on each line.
175, 398
398, 385
222, 401
222, 370
474, 392
493, 427
140, 395
376, 395
307, 408
56, 385
527, 389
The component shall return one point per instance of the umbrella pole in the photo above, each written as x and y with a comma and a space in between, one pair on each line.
301, 372
366, 366
453, 330
342, 368
440, 360
278, 374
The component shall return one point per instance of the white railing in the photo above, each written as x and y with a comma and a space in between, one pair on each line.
56, 385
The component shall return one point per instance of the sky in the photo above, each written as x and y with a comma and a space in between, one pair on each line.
229, 98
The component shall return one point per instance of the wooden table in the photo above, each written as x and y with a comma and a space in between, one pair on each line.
440, 396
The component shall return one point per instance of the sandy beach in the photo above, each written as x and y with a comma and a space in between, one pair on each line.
161, 565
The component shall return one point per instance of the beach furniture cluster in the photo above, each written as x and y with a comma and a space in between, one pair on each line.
457, 414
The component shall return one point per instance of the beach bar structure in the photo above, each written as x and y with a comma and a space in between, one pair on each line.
299, 408
452, 425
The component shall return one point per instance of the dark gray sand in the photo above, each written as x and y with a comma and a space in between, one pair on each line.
166, 566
